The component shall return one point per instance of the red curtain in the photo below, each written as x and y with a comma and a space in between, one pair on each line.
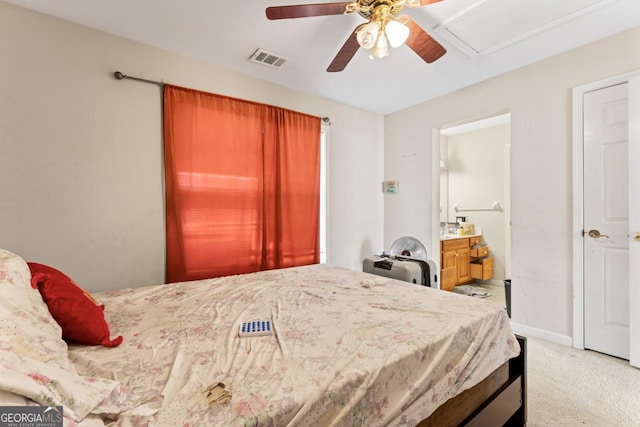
242, 185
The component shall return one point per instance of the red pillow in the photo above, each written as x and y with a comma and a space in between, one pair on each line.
78, 314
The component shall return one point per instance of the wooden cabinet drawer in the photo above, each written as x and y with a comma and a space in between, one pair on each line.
482, 269
480, 252
474, 240
454, 244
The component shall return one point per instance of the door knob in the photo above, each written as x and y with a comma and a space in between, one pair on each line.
596, 234
637, 238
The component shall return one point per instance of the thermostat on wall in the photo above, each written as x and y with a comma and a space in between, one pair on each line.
390, 187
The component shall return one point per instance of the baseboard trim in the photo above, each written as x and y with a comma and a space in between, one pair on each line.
528, 331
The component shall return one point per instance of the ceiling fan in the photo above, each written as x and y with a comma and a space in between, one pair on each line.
384, 28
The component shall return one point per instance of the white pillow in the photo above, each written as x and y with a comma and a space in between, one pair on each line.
34, 359
26, 326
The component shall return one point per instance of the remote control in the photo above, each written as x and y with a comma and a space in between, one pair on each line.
255, 328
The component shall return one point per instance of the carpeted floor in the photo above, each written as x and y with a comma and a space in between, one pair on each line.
568, 387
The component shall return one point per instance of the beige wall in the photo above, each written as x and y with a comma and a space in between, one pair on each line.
539, 98
81, 175
80, 181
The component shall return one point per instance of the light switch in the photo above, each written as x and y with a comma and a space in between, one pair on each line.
390, 187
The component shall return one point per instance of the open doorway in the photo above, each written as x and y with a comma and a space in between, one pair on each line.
474, 187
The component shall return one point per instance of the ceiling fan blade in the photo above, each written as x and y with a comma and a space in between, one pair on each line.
345, 54
306, 10
423, 44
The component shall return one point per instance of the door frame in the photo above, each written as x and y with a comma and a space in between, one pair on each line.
435, 189
435, 202
578, 200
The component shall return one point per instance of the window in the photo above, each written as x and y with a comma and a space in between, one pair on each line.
242, 185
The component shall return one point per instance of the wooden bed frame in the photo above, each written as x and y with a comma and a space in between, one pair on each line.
499, 400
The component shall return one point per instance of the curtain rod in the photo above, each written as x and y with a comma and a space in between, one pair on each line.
121, 76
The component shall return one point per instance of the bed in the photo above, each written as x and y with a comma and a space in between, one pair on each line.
347, 349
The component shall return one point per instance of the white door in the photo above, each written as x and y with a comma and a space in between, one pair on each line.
606, 221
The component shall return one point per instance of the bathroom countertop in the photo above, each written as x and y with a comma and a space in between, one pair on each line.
455, 236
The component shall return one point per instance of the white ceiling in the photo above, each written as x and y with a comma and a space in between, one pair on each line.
483, 38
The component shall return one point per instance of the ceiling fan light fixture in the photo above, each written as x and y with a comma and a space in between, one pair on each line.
397, 33
384, 29
381, 48
368, 34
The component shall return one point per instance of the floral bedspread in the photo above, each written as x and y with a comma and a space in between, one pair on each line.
349, 349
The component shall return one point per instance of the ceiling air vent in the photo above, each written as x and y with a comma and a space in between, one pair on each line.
264, 57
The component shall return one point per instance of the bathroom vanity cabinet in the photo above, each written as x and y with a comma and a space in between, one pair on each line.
460, 264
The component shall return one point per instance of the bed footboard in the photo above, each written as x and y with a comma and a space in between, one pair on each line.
499, 400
